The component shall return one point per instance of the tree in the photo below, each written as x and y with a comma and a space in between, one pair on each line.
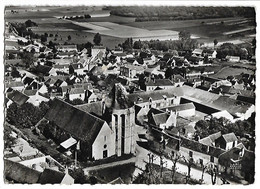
28, 59
97, 39
174, 158
11, 56
184, 35
43, 38
141, 81
215, 42
15, 73
169, 72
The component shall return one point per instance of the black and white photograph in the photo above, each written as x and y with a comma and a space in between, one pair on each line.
129, 94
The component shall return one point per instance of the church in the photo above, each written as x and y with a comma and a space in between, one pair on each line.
102, 129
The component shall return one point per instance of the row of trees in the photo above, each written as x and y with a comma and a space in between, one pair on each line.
146, 13
184, 43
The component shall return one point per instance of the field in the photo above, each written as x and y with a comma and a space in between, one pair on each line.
115, 29
228, 71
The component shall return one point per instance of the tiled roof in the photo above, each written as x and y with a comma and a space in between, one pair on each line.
20, 173
76, 91
155, 95
94, 107
30, 92
81, 125
160, 118
49, 176
199, 147
230, 137
17, 97
180, 107
77, 66
160, 82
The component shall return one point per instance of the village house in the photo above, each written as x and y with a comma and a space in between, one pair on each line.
233, 58
159, 84
96, 49
16, 97
212, 54
30, 175
161, 119
154, 71
131, 71
45, 70
183, 110
76, 93
15, 85
67, 48
240, 162
35, 97
177, 80
226, 141
77, 68
90, 96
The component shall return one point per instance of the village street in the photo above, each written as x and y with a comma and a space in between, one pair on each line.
142, 156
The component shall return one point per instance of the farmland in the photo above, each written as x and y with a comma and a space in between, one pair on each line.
115, 29
228, 71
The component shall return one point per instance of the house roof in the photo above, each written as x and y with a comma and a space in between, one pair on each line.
178, 78
209, 140
76, 91
77, 66
159, 82
81, 125
49, 176
180, 107
17, 97
133, 67
230, 137
231, 105
94, 107
20, 173
43, 69
85, 86
246, 158
99, 47
224, 114
28, 80
155, 95
199, 95
30, 92
13, 84
160, 118
197, 51
199, 147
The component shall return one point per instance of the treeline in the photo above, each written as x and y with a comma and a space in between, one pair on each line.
229, 49
146, 13
166, 45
